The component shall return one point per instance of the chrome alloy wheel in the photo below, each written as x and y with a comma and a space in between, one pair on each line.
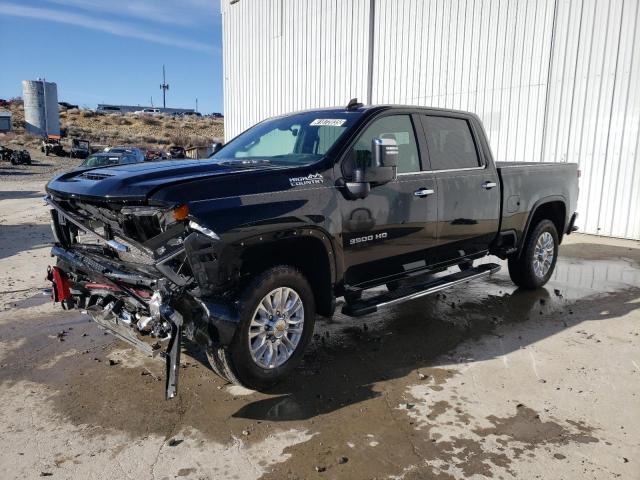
276, 327
543, 254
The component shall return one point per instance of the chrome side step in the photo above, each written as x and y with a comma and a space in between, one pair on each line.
410, 292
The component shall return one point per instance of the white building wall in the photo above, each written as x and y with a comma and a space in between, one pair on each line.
286, 55
552, 80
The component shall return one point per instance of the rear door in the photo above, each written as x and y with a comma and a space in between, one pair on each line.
391, 230
467, 185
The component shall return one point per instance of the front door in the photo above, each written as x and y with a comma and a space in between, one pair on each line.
391, 230
468, 188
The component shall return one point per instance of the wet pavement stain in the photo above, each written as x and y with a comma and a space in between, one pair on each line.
350, 386
526, 427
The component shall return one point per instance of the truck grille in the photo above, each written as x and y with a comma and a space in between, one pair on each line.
136, 229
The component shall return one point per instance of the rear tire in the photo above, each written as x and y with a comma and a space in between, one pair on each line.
269, 342
538, 258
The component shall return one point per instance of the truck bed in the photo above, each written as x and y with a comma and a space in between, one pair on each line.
526, 184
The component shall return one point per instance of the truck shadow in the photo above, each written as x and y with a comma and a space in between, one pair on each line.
24, 238
351, 358
19, 194
15, 173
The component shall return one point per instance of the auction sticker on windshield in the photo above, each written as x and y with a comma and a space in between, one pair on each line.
328, 122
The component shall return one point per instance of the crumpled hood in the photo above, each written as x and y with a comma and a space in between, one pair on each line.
135, 182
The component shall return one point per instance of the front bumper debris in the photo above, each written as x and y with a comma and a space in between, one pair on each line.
147, 294
171, 354
114, 318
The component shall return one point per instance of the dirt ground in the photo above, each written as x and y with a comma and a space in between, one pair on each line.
483, 381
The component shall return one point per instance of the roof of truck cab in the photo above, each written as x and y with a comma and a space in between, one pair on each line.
375, 107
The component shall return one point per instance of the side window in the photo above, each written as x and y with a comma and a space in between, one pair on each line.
327, 136
397, 127
450, 143
272, 144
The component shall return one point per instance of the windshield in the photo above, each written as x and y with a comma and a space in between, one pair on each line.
297, 139
100, 161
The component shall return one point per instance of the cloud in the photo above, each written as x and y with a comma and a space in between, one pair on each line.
184, 13
112, 27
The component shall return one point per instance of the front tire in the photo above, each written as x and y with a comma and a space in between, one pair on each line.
277, 316
538, 258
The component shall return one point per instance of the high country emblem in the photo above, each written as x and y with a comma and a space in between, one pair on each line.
311, 179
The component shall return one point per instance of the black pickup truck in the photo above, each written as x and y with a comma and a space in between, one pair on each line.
241, 252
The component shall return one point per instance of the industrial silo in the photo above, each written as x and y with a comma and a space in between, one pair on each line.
41, 107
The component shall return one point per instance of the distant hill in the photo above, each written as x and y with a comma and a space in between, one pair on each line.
146, 131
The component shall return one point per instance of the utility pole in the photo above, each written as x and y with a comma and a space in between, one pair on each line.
164, 87
196, 104
46, 113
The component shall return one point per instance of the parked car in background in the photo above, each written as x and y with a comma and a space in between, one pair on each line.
148, 111
155, 155
67, 105
16, 157
5, 153
51, 144
177, 152
108, 109
80, 148
107, 159
20, 157
135, 151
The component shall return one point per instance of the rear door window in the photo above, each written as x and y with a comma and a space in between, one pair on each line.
450, 143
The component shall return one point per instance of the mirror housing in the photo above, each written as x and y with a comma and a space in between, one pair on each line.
385, 152
384, 163
358, 187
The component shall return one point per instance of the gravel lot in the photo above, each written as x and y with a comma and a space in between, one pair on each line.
483, 381
37, 174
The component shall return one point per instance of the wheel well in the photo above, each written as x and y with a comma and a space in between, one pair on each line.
554, 211
307, 254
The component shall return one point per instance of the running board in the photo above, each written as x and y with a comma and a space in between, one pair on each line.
410, 292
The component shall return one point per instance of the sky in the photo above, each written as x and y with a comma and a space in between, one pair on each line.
112, 51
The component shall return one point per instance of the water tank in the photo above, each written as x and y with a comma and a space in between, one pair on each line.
41, 107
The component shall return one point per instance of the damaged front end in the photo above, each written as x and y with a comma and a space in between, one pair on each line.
148, 274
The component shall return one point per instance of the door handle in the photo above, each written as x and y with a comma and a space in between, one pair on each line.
489, 185
423, 192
